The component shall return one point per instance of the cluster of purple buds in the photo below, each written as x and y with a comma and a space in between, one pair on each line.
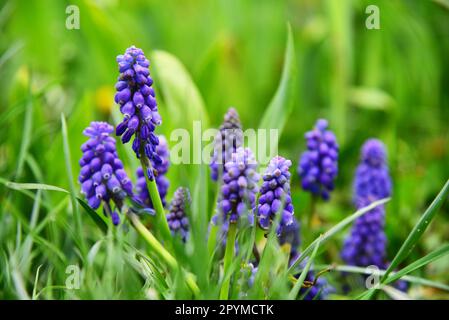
239, 188
366, 244
372, 178
137, 103
102, 176
159, 171
318, 166
177, 217
226, 142
275, 195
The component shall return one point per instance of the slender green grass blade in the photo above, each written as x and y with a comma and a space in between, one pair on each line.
31, 186
73, 190
36, 280
418, 229
26, 137
395, 294
362, 270
433, 256
295, 290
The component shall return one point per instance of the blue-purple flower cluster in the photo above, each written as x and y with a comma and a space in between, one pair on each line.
372, 177
318, 166
177, 217
102, 176
366, 244
137, 103
227, 140
238, 192
275, 194
159, 170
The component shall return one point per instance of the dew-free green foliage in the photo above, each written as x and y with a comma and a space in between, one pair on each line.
281, 64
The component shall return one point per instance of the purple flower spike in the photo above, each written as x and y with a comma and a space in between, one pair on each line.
177, 217
160, 169
137, 103
239, 188
275, 195
227, 140
318, 166
366, 244
102, 176
372, 178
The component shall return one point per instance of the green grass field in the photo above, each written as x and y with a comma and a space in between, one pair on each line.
281, 65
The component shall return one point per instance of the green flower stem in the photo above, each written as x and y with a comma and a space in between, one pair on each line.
212, 240
159, 249
155, 245
155, 199
229, 255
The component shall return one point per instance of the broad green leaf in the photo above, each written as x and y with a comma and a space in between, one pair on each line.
281, 105
179, 93
97, 218
335, 229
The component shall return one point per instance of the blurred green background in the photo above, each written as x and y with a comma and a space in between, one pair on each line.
390, 83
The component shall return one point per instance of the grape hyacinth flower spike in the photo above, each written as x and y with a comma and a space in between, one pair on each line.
366, 243
275, 195
138, 105
102, 176
177, 217
159, 170
238, 192
372, 177
318, 166
238, 196
226, 142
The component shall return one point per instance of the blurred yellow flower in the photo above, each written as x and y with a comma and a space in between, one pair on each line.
104, 99
23, 76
